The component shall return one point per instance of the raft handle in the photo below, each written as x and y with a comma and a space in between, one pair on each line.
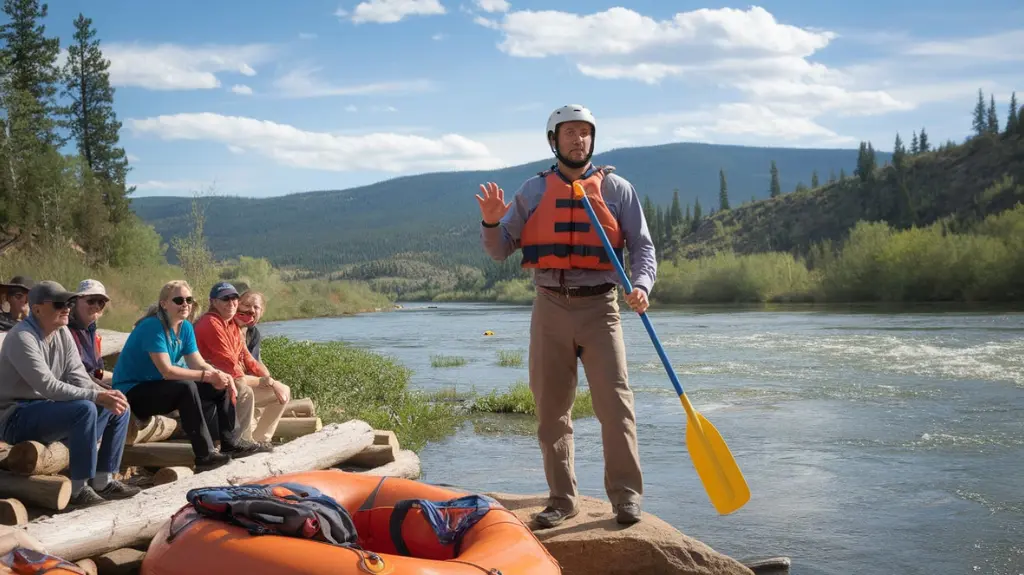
375, 565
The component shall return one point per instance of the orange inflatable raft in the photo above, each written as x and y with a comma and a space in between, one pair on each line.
497, 544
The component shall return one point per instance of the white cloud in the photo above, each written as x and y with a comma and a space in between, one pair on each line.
492, 5
165, 185
303, 82
307, 36
438, 36
241, 89
390, 11
1002, 46
175, 67
291, 146
132, 158
486, 22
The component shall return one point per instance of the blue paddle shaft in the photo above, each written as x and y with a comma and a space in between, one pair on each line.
629, 288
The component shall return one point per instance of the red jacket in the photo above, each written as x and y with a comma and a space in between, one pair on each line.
221, 343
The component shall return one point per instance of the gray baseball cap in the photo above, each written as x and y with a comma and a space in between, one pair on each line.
48, 291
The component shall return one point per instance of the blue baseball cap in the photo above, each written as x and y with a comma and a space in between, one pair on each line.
222, 289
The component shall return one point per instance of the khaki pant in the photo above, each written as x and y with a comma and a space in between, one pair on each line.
252, 399
559, 328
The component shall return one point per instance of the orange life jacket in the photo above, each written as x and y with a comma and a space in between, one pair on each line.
558, 234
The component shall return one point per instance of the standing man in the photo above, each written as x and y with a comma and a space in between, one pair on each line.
576, 310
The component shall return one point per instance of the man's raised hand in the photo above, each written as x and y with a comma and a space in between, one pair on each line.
492, 203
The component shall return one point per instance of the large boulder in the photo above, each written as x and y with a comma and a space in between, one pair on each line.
592, 543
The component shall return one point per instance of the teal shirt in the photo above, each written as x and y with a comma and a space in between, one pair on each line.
134, 365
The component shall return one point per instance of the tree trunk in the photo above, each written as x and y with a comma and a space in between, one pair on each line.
93, 531
300, 408
47, 491
406, 465
151, 430
288, 428
34, 458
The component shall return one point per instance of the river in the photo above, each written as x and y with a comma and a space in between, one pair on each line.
872, 442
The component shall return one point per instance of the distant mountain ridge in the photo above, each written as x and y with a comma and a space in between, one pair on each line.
436, 212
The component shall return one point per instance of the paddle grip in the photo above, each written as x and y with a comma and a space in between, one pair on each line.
580, 194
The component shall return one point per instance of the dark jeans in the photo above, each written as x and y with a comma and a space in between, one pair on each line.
205, 412
78, 424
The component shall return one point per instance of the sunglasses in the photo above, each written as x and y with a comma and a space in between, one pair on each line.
183, 300
228, 298
59, 305
97, 301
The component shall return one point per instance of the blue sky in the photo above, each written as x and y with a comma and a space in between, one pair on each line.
261, 97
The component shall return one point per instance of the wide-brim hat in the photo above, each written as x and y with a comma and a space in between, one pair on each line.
20, 282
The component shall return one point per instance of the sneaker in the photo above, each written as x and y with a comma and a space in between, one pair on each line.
118, 490
550, 517
243, 448
211, 461
627, 513
87, 497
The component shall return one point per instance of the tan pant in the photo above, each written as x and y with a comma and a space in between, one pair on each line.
559, 328
252, 400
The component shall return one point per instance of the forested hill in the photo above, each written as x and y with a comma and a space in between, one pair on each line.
437, 212
957, 185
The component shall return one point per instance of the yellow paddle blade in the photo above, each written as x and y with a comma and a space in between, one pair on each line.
715, 464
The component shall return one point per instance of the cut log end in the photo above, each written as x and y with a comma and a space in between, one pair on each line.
13, 512
150, 430
289, 428
46, 491
300, 408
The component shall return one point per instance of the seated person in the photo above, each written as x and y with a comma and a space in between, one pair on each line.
90, 301
250, 310
160, 370
16, 297
46, 396
220, 341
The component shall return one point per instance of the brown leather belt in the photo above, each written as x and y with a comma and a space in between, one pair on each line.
581, 291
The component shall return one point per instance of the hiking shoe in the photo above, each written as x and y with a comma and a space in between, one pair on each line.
118, 490
87, 497
550, 517
243, 448
211, 461
627, 513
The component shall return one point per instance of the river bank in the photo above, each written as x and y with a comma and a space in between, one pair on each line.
873, 442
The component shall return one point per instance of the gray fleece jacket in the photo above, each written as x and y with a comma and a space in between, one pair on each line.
34, 368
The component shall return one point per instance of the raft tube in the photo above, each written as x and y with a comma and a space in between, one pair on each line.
498, 543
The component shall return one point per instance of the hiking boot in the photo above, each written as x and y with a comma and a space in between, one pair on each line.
243, 448
550, 517
87, 497
211, 461
627, 513
118, 490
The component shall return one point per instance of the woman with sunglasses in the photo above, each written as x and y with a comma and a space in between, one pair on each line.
160, 370
90, 301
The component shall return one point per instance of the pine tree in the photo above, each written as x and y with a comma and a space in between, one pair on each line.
689, 218
831, 175
776, 189
991, 119
814, 179
922, 143
800, 187
1012, 118
91, 118
979, 124
898, 152
915, 148
842, 174
696, 214
723, 191
675, 213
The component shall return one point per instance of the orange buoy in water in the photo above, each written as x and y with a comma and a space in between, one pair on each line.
488, 332
499, 542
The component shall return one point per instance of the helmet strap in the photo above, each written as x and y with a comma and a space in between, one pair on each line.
571, 163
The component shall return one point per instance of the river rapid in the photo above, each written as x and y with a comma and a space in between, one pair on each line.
872, 442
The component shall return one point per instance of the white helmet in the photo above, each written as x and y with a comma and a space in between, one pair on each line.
571, 113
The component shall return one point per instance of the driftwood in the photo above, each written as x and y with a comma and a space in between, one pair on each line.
13, 512
288, 428
150, 430
34, 458
300, 408
169, 474
96, 530
373, 456
48, 491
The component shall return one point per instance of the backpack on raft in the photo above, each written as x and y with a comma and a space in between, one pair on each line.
25, 561
286, 509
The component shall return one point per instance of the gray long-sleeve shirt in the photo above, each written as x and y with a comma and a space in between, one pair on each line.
34, 368
501, 241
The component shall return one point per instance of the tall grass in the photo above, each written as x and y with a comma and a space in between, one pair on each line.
519, 400
510, 358
348, 383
